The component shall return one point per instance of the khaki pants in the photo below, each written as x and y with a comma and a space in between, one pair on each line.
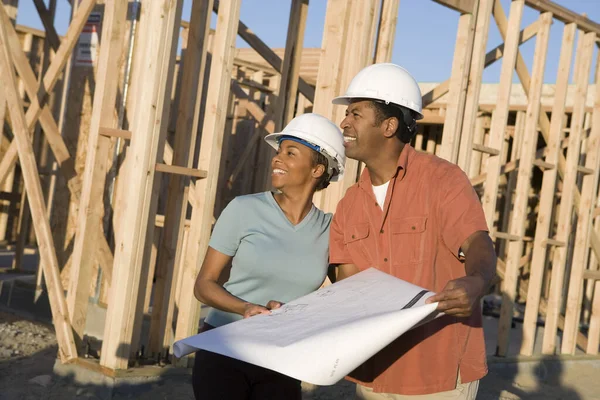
463, 391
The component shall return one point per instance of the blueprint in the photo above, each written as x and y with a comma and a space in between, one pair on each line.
323, 336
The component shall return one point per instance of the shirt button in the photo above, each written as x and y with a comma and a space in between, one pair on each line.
381, 231
352, 236
376, 205
385, 259
413, 228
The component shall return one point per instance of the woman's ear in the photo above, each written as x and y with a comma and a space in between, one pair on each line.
391, 126
318, 171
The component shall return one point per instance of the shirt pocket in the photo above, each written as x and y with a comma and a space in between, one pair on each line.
355, 239
408, 240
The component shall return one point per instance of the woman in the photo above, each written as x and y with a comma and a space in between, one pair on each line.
278, 245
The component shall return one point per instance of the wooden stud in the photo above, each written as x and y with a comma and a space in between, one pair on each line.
362, 21
387, 31
60, 316
491, 57
565, 15
463, 6
482, 28
290, 72
159, 23
170, 249
519, 211
50, 78
457, 94
209, 160
589, 187
542, 230
46, 17
566, 202
500, 116
89, 220
177, 170
268, 54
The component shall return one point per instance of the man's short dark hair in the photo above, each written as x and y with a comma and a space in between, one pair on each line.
405, 132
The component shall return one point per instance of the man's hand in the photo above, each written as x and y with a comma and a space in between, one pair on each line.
251, 310
460, 296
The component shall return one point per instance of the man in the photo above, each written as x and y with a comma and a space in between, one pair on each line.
416, 217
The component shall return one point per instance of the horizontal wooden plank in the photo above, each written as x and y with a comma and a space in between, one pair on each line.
585, 170
543, 165
564, 14
506, 236
463, 6
485, 149
174, 169
553, 242
595, 275
110, 132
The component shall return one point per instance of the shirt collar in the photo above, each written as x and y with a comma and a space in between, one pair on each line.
405, 156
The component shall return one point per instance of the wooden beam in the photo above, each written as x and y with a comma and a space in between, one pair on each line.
387, 31
51, 35
50, 78
462, 6
457, 93
159, 26
490, 58
499, 119
564, 15
589, 187
290, 71
60, 315
182, 171
478, 63
268, 54
116, 133
363, 20
519, 213
564, 220
542, 228
209, 160
89, 220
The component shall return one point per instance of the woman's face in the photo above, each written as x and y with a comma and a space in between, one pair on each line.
293, 166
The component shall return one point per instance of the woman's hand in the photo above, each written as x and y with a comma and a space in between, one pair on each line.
251, 310
274, 304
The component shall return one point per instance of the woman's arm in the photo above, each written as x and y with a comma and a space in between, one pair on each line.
209, 291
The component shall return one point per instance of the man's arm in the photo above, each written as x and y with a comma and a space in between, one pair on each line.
460, 296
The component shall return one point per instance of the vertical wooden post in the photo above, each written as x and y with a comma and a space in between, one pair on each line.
170, 250
499, 118
160, 21
89, 221
563, 233
335, 36
542, 230
67, 350
363, 17
527, 156
209, 160
463, 52
589, 188
482, 28
387, 31
290, 71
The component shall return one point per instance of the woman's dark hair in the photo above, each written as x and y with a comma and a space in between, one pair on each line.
407, 126
318, 158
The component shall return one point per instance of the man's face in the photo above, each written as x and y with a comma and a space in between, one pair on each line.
363, 139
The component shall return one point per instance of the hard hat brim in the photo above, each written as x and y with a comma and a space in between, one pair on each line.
346, 100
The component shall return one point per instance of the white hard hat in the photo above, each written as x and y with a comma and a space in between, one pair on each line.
386, 82
319, 134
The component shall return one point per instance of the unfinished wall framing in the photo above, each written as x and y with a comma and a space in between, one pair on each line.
145, 191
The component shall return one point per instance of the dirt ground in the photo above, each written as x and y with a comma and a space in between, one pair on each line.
28, 353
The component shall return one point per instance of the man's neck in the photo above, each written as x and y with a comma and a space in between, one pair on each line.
384, 167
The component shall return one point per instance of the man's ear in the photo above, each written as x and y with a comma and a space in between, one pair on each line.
391, 126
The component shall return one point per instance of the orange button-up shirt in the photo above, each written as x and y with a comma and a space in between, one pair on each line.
430, 210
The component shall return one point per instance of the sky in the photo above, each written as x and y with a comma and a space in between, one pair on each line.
425, 32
